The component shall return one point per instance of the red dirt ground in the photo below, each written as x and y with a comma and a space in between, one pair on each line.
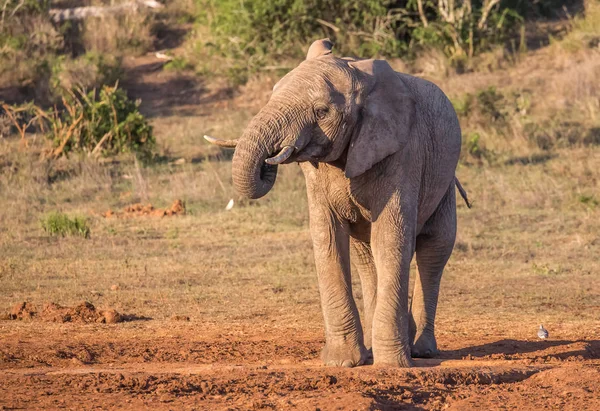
139, 210
192, 365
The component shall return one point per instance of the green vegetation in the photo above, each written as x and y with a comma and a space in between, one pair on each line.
249, 35
59, 224
105, 122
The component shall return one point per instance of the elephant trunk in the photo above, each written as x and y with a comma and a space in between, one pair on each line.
262, 140
252, 177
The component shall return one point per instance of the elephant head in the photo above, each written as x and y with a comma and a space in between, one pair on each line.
328, 109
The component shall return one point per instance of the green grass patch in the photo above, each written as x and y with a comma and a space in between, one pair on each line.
60, 224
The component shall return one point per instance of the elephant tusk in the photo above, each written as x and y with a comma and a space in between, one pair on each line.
221, 143
283, 155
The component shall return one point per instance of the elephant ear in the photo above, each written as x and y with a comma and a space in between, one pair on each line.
319, 48
387, 117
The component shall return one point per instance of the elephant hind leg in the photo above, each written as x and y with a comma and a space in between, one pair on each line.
433, 249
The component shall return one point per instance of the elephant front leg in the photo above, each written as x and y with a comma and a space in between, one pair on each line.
392, 241
362, 258
343, 333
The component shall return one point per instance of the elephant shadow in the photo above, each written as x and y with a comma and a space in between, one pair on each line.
508, 349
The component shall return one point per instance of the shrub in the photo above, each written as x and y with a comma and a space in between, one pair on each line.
59, 224
105, 122
250, 34
462, 28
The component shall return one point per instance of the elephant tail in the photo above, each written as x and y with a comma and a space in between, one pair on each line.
462, 192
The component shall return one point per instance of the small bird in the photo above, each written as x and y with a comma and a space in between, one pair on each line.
542, 332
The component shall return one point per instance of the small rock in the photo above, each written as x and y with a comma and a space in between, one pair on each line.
115, 287
112, 317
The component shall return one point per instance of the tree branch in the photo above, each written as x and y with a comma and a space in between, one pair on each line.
422, 13
487, 8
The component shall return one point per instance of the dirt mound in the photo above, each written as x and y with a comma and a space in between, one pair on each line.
22, 311
139, 209
83, 312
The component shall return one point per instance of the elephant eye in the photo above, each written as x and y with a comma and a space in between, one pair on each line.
321, 112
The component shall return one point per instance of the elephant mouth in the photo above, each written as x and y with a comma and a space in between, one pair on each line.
314, 152
282, 156
267, 170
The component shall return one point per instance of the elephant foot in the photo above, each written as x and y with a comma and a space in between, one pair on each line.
344, 354
425, 346
399, 358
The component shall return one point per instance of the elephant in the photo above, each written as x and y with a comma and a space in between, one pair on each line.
378, 150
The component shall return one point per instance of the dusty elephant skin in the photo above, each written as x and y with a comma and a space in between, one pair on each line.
378, 150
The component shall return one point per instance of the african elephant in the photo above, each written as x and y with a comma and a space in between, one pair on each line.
379, 151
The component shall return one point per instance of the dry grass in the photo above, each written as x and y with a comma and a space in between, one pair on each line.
526, 252
128, 32
39, 58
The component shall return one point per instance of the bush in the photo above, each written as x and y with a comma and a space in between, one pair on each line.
238, 38
59, 224
283, 27
251, 34
463, 28
104, 122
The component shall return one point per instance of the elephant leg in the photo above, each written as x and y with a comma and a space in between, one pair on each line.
343, 333
392, 241
362, 258
433, 249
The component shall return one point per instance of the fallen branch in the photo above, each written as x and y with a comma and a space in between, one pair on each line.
98, 147
59, 150
80, 13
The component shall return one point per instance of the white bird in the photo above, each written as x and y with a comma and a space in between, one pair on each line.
542, 332
229, 205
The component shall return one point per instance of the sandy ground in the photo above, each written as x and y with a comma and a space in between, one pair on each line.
191, 365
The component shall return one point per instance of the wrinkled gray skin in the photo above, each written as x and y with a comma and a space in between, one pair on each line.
378, 150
